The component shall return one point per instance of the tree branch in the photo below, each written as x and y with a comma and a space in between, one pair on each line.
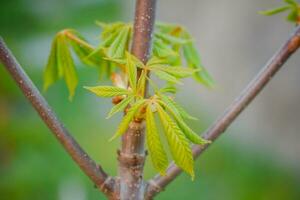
132, 154
158, 183
81, 158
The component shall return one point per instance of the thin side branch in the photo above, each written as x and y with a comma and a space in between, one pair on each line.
158, 183
81, 158
132, 154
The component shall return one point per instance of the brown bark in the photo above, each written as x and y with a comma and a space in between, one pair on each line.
132, 154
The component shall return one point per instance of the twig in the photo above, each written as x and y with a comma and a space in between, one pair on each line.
158, 183
81, 158
132, 154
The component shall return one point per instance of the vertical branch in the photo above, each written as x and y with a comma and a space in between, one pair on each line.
132, 154
81, 158
158, 183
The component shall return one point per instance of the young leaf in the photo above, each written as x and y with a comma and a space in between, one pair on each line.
179, 72
178, 143
168, 89
193, 59
104, 44
108, 91
293, 15
141, 85
163, 50
155, 147
166, 27
176, 107
83, 49
171, 39
156, 61
120, 106
189, 133
274, 11
167, 77
51, 71
120, 43
293, 7
128, 118
131, 70
65, 63
109, 29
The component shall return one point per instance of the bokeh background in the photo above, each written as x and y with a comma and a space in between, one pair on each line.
257, 158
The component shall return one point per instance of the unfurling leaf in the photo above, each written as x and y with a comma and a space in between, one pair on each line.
176, 107
51, 71
167, 77
131, 70
109, 29
155, 147
171, 39
189, 133
141, 85
119, 45
65, 64
104, 44
120, 106
108, 91
274, 11
168, 89
128, 118
83, 49
193, 60
178, 143
163, 50
179, 72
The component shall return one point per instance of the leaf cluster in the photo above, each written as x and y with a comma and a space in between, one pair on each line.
173, 48
172, 116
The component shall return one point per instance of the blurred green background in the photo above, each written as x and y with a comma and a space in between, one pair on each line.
34, 166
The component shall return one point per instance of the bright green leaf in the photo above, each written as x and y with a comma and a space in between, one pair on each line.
51, 71
128, 118
131, 70
274, 11
120, 106
119, 45
193, 60
189, 133
104, 44
165, 76
65, 63
108, 91
176, 107
178, 143
155, 147
163, 50
141, 86
168, 89
171, 39
179, 72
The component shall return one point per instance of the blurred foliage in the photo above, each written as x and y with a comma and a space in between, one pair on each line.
34, 166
